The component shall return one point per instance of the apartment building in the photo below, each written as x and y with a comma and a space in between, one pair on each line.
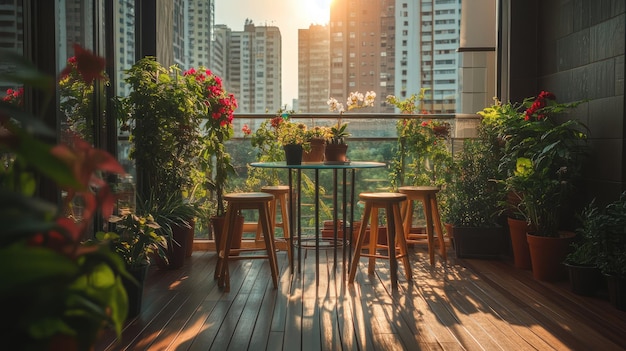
362, 49
254, 67
313, 69
427, 39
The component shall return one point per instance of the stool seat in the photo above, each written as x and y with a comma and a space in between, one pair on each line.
235, 203
390, 202
248, 197
427, 195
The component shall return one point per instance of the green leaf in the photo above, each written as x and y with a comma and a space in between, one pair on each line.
22, 265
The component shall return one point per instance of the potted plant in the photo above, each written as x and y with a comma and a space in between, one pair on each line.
293, 137
175, 218
612, 257
42, 245
548, 160
497, 123
472, 214
584, 275
336, 147
135, 238
316, 138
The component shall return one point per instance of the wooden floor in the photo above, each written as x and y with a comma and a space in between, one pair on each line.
461, 305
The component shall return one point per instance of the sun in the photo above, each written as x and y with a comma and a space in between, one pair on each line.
318, 11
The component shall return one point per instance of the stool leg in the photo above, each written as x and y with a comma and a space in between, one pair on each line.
268, 236
437, 220
373, 240
220, 250
224, 275
359, 242
285, 222
407, 215
391, 245
429, 229
402, 245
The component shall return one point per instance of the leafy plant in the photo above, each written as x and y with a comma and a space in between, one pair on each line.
587, 247
542, 160
473, 194
161, 115
338, 133
41, 247
135, 238
612, 237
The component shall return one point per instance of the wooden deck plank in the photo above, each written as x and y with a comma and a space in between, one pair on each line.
458, 305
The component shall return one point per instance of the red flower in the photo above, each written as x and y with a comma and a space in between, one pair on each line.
89, 66
246, 129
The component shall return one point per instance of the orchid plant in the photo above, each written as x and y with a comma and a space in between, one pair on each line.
355, 100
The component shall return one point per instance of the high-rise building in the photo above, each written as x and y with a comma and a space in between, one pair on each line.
427, 39
219, 52
254, 68
125, 41
313, 69
201, 17
362, 56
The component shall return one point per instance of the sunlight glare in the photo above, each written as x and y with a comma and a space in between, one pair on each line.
318, 11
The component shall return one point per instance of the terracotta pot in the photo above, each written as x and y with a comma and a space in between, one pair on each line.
293, 154
316, 154
521, 254
336, 153
547, 255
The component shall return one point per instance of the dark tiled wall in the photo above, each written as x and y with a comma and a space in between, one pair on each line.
579, 47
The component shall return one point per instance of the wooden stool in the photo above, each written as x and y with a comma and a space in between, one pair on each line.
236, 203
280, 192
428, 197
391, 203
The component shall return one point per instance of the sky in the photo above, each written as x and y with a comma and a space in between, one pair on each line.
288, 16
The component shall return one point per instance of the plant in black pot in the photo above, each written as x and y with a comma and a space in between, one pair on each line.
473, 200
612, 256
584, 275
135, 239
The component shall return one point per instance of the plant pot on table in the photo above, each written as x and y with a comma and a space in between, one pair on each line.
293, 154
336, 153
316, 152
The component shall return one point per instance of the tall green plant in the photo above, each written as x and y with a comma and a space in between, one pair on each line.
161, 114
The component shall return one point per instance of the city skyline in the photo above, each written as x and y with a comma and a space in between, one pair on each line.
288, 16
